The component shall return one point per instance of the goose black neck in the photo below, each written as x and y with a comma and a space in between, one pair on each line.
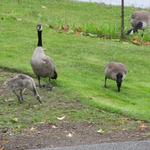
39, 38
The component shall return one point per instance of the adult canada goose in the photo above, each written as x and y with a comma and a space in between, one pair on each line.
21, 82
42, 65
139, 21
115, 71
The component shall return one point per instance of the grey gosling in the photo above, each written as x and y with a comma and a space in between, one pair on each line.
21, 82
115, 71
139, 21
42, 65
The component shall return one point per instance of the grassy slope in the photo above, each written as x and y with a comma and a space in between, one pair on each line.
93, 18
80, 60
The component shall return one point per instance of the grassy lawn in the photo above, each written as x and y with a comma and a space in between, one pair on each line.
80, 60
90, 17
57, 103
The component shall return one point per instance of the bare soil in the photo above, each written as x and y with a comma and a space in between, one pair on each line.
66, 134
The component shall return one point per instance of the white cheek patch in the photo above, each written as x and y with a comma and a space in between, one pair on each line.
144, 24
123, 77
41, 28
131, 33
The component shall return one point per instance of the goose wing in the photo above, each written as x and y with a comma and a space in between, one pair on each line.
47, 61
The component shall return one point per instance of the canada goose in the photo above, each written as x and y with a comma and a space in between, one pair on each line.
21, 82
115, 71
42, 65
139, 21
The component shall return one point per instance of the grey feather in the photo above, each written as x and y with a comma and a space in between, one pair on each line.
140, 16
139, 21
21, 82
115, 71
42, 65
113, 68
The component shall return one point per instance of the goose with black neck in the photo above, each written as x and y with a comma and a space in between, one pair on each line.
42, 65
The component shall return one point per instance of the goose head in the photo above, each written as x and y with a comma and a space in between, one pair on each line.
39, 27
119, 80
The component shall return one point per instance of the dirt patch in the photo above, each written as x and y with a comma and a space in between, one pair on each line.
67, 134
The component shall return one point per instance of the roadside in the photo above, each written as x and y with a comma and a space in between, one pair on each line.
136, 145
67, 134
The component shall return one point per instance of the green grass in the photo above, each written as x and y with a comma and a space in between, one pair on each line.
90, 17
57, 103
80, 60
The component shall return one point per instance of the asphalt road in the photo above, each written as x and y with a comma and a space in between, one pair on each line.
138, 145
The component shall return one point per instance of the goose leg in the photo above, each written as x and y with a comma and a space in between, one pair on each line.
142, 33
39, 81
105, 82
49, 86
19, 98
36, 95
49, 79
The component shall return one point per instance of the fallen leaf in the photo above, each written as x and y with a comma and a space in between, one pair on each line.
143, 127
136, 41
78, 29
35, 106
19, 19
61, 118
70, 31
59, 29
100, 131
14, 120
77, 33
2, 148
147, 43
9, 100
91, 97
33, 129
41, 122
43, 6
65, 28
54, 127
123, 129
69, 135
92, 35
10, 134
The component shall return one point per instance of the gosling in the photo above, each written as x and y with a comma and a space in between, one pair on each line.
42, 65
19, 83
139, 21
115, 71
